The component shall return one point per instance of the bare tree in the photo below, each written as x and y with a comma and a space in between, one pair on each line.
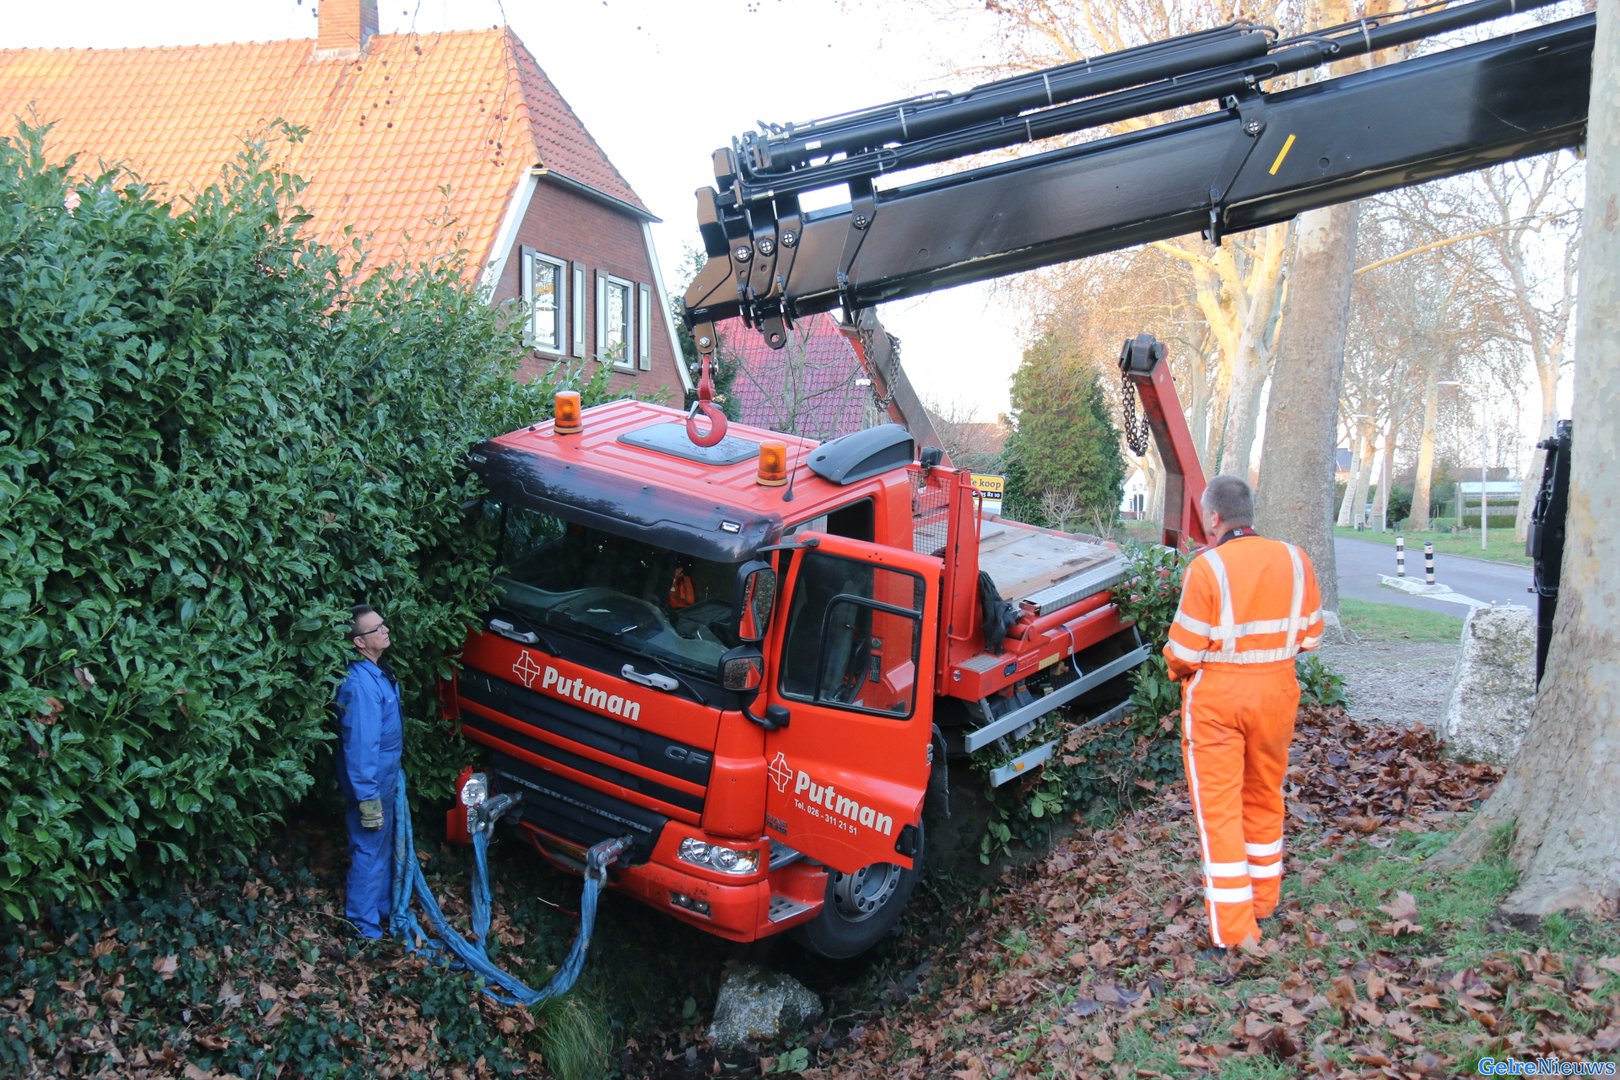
1237, 288
1513, 232
1555, 795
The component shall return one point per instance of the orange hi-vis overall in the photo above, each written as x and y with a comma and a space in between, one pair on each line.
1248, 606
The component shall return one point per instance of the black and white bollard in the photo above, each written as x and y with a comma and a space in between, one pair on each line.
1400, 556
1428, 562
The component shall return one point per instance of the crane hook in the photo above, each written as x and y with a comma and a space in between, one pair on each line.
705, 405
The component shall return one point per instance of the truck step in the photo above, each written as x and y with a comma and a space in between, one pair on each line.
784, 908
1009, 721
1021, 764
782, 855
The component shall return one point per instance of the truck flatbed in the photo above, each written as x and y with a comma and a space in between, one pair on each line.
1040, 570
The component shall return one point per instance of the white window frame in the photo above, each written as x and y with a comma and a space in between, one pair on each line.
626, 360
559, 316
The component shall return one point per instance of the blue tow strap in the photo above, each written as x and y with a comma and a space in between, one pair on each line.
498, 984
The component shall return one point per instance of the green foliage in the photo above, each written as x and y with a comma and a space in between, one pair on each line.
217, 438
574, 1037
1063, 462
1114, 762
244, 975
1318, 683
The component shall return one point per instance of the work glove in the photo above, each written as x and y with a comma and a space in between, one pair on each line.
371, 815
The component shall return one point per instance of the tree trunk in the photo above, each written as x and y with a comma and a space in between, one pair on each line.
1347, 505
1295, 498
1369, 458
1557, 792
1423, 483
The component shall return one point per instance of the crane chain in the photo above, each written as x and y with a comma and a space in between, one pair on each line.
1136, 425
883, 400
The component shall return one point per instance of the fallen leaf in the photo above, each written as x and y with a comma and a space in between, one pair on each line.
1404, 906
166, 966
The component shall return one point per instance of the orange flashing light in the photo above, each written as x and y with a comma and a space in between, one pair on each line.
565, 410
772, 465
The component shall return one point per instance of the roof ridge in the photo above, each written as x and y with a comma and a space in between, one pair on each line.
523, 64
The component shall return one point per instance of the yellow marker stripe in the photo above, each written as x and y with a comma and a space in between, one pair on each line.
1275, 165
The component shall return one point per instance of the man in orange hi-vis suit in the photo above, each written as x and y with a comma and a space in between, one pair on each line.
1249, 605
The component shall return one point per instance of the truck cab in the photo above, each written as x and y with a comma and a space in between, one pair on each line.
722, 653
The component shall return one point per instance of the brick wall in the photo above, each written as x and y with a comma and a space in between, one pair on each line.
566, 225
345, 25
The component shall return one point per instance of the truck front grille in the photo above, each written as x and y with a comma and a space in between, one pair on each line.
653, 752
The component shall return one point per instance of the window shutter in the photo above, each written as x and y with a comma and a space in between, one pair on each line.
526, 260
601, 315
646, 329
578, 321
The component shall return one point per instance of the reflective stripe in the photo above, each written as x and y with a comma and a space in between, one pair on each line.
1260, 626
1268, 871
1187, 693
1261, 850
1311, 642
1253, 656
1192, 656
1298, 600
1226, 869
1230, 896
1196, 626
1223, 629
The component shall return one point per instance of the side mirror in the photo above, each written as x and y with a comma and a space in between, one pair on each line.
756, 596
742, 669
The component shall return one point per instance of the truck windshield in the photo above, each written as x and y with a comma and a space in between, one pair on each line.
641, 599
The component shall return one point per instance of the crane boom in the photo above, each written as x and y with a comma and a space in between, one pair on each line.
1257, 158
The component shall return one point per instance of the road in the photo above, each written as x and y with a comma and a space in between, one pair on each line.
1363, 565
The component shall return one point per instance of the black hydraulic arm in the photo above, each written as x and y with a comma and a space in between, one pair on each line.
1545, 542
1256, 158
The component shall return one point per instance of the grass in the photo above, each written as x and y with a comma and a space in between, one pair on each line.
1393, 622
1342, 894
1502, 547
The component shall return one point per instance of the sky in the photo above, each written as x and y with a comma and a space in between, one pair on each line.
659, 84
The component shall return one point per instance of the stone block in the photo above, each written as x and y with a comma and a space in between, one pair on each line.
759, 1005
1493, 687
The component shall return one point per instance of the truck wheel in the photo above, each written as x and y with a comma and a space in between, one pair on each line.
861, 908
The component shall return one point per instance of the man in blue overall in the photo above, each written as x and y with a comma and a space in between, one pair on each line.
372, 736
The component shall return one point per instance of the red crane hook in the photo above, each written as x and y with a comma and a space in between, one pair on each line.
705, 405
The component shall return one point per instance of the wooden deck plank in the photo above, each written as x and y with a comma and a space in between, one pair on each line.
1022, 561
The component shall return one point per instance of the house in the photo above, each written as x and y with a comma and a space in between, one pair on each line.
813, 386
422, 143
1133, 502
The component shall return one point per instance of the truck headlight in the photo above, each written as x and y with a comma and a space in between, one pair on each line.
718, 857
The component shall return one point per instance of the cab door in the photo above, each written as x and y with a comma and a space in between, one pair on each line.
854, 671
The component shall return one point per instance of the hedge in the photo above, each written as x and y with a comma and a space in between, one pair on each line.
217, 435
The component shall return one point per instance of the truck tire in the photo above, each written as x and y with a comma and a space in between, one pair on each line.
861, 908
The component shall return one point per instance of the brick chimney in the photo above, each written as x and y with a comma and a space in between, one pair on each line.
345, 28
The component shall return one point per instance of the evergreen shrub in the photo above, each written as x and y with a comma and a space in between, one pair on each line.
216, 436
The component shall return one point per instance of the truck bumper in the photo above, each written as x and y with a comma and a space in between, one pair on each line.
743, 911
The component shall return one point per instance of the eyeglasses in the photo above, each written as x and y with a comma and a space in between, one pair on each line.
373, 630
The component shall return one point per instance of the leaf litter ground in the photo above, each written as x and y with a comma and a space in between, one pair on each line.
1087, 963
1081, 963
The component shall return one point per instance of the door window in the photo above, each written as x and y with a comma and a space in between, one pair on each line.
853, 636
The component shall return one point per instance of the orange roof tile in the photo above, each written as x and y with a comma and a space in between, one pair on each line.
420, 143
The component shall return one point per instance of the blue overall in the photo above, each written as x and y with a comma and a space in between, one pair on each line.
372, 736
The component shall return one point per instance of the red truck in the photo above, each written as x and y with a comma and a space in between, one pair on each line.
748, 655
